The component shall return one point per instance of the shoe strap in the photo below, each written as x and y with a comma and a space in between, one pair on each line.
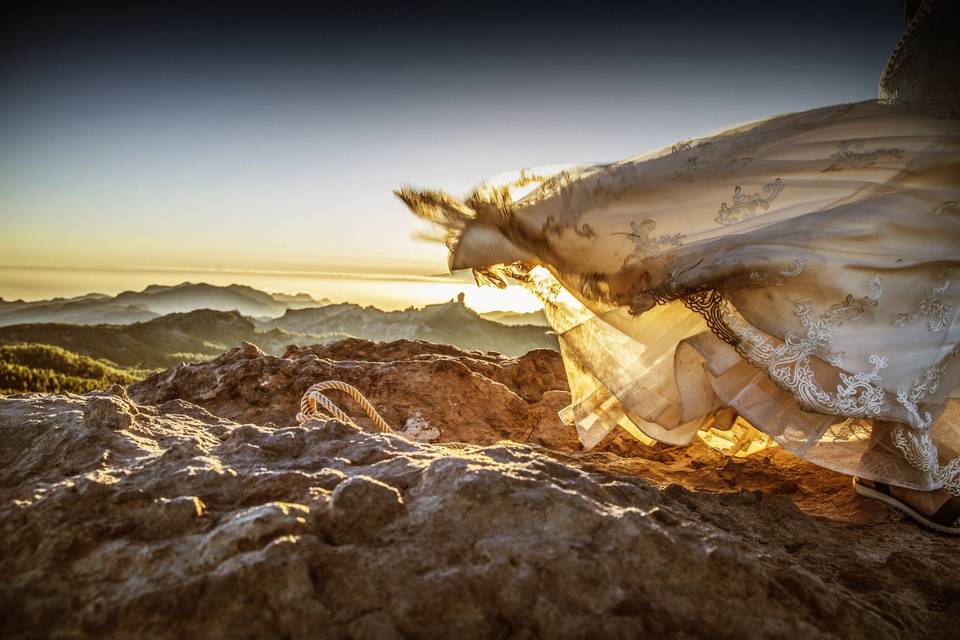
948, 513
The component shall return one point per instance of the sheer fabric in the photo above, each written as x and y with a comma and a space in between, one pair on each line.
801, 269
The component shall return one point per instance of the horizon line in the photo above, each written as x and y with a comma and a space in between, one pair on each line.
460, 275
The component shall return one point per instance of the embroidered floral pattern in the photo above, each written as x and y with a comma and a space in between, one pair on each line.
839, 244
849, 430
556, 227
744, 206
645, 244
858, 395
706, 165
851, 156
931, 307
758, 279
820, 118
820, 336
788, 364
914, 439
948, 207
705, 300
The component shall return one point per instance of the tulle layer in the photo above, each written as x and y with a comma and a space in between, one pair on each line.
667, 396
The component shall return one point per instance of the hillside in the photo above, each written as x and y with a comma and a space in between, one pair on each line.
154, 301
203, 334
162, 342
45, 368
449, 323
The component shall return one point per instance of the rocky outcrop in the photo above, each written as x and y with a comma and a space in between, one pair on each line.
439, 391
126, 516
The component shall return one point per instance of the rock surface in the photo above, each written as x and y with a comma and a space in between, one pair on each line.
466, 396
161, 516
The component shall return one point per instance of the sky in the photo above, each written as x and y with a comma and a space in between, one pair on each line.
173, 138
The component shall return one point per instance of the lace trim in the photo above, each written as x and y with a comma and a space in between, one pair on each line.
710, 305
858, 395
916, 443
557, 227
706, 164
950, 206
896, 61
645, 244
851, 157
777, 278
743, 207
788, 364
932, 307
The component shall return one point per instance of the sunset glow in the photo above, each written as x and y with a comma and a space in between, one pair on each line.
284, 157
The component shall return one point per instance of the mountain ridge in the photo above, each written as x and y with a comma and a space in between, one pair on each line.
160, 342
128, 307
202, 334
444, 323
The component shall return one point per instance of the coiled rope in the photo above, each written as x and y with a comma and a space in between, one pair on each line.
313, 399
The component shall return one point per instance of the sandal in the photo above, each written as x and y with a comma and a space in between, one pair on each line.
945, 520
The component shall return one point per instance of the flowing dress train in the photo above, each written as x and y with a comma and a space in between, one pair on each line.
802, 269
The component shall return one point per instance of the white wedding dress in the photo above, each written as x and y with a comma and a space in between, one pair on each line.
802, 269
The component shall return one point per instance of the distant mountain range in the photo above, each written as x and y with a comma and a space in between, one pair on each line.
447, 323
154, 301
161, 342
76, 343
536, 318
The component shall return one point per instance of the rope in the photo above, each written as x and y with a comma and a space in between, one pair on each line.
312, 397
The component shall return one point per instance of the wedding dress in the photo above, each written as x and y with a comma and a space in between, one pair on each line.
801, 269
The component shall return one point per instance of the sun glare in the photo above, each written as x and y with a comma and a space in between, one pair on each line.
513, 298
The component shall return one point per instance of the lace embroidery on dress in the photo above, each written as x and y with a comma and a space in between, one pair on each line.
931, 307
557, 227
645, 244
758, 279
805, 124
711, 303
950, 206
922, 71
850, 156
858, 395
607, 184
705, 165
916, 442
788, 364
743, 207
851, 429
